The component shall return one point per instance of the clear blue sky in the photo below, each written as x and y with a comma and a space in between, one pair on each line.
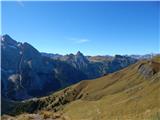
94, 28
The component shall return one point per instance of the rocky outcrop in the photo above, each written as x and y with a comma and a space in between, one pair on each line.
149, 68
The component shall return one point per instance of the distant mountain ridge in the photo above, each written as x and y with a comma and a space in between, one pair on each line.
27, 73
94, 66
102, 57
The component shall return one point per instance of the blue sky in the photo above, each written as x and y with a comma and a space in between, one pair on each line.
94, 28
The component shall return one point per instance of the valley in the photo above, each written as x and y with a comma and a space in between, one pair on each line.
130, 93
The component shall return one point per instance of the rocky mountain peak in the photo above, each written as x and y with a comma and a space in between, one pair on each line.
8, 40
119, 56
79, 54
6, 36
80, 57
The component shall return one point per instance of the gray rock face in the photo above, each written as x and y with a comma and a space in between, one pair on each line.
21, 64
120, 62
149, 69
96, 68
27, 73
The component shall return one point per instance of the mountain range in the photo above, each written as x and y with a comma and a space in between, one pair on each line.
40, 86
27, 73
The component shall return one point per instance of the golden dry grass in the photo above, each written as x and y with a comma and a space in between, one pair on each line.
124, 95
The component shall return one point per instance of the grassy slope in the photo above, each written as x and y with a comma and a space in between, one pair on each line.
123, 95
